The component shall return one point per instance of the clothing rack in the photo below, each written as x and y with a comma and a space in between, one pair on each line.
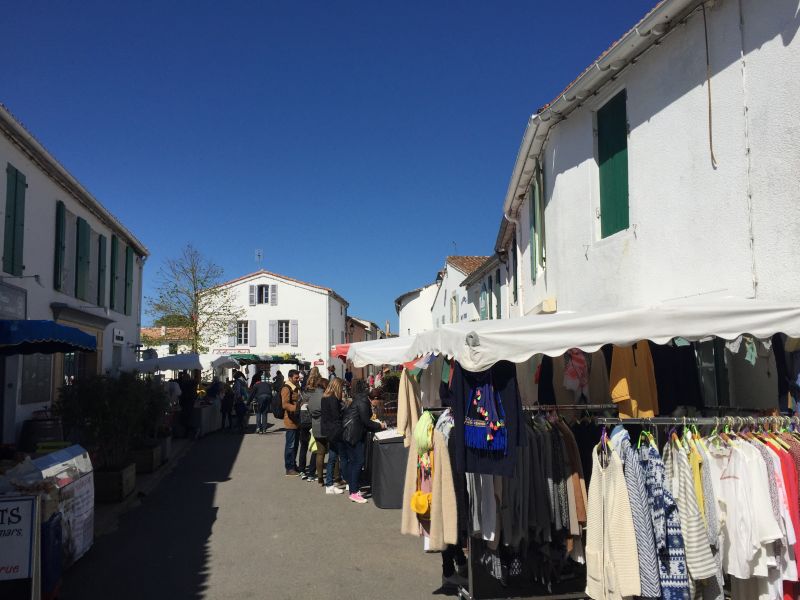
719, 421
557, 407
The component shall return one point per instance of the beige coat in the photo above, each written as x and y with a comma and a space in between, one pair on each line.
409, 407
444, 517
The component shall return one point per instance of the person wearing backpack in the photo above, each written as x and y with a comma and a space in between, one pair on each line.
290, 403
315, 389
261, 393
356, 423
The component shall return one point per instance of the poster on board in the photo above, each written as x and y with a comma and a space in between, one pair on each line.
17, 536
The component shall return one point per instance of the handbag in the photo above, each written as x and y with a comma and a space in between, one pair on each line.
421, 501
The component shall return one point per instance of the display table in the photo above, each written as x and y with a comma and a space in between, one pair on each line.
206, 419
389, 458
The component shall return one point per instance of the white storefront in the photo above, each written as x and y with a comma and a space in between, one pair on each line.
281, 315
615, 199
67, 259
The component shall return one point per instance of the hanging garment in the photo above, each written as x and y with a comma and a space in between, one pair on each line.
677, 382
526, 380
752, 385
443, 527
539, 507
502, 379
612, 567
409, 407
642, 519
633, 381
429, 380
712, 589
673, 574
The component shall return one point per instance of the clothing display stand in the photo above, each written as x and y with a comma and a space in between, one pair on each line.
703, 421
477, 580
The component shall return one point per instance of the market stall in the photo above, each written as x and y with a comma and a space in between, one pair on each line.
509, 386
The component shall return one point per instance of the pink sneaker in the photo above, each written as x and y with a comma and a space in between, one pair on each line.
358, 498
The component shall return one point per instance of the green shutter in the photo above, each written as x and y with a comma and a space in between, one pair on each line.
15, 221
101, 270
498, 293
61, 246
128, 280
491, 298
114, 301
612, 157
82, 259
533, 204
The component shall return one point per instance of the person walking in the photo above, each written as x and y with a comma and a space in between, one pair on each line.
348, 378
357, 423
332, 373
226, 407
315, 389
261, 395
330, 427
304, 465
290, 401
188, 398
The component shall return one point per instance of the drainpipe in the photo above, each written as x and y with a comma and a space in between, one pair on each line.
515, 263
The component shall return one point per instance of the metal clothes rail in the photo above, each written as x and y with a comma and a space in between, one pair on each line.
719, 421
557, 407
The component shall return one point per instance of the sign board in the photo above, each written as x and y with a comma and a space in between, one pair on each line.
319, 362
119, 336
17, 536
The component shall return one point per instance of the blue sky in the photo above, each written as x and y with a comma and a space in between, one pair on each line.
353, 142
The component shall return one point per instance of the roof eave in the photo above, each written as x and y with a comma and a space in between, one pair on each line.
657, 23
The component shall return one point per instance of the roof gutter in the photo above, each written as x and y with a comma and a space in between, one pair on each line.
624, 52
39, 155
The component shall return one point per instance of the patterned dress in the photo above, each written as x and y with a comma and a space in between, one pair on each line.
673, 573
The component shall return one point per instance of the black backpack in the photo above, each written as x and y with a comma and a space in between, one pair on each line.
276, 406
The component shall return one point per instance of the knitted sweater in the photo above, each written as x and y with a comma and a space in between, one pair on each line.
612, 564
408, 406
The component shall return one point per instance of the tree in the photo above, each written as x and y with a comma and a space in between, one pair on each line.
189, 294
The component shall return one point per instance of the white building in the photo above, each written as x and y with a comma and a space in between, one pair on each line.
414, 310
67, 259
281, 315
166, 341
450, 304
645, 182
487, 289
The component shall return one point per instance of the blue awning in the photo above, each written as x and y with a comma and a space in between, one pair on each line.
46, 337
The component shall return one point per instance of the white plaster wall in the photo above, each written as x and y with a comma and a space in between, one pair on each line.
450, 286
415, 311
38, 258
309, 306
336, 321
689, 231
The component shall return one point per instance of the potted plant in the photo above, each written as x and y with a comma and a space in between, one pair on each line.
104, 415
147, 445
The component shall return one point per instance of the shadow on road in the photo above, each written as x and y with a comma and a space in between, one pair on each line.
160, 551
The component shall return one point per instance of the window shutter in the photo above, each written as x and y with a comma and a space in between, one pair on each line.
15, 221
101, 271
128, 280
113, 295
273, 333
293, 333
252, 295
251, 332
61, 246
232, 334
612, 159
273, 295
533, 202
82, 258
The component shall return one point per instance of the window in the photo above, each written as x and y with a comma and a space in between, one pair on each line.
262, 294
242, 333
515, 287
283, 332
497, 294
612, 161
128, 280
36, 376
490, 298
536, 215
101, 270
483, 302
79, 365
61, 246
15, 221
82, 259
114, 292
454, 309
173, 348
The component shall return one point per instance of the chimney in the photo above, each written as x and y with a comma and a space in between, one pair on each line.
387, 328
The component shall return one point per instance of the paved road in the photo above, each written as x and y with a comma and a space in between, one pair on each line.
227, 524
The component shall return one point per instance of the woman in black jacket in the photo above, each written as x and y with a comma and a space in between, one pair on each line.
356, 422
330, 426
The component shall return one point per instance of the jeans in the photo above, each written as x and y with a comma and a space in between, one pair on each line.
261, 416
355, 460
334, 451
290, 450
305, 440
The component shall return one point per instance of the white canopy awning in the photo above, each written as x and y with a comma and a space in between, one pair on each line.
479, 345
391, 351
185, 362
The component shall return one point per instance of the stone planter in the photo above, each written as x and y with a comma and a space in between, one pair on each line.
114, 485
148, 459
166, 448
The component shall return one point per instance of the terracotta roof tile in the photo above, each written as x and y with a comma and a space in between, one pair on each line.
166, 333
466, 264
